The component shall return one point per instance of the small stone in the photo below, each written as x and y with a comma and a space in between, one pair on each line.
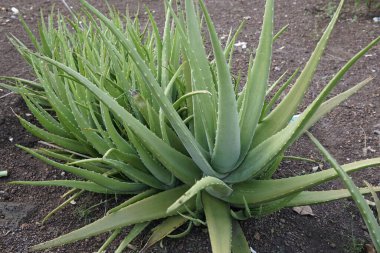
241, 44
333, 245
257, 236
282, 220
24, 226
15, 11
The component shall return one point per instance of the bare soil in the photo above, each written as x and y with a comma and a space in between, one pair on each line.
336, 227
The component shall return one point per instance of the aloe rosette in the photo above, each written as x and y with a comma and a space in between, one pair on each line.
130, 111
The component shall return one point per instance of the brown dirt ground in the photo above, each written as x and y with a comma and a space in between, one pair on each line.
336, 227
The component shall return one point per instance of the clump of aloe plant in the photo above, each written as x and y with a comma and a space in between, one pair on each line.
134, 112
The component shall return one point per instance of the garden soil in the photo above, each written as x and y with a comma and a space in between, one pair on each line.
350, 132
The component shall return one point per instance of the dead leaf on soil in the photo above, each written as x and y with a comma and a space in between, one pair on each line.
303, 210
369, 248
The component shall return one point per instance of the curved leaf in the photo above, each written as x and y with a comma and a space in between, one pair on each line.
261, 191
217, 186
148, 209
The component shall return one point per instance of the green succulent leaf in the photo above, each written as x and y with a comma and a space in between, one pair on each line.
239, 242
83, 185
164, 229
148, 209
276, 188
257, 82
316, 197
214, 185
366, 212
227, 143
282, 114
135, 231
219, 223
180, 128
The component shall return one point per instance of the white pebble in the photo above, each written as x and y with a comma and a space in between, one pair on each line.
15, 10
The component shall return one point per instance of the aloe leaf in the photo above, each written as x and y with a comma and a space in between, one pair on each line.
204, 108
157, 124
260, 191
180, 128
56, 139
255, 88
277, 82
282, 114
279, 33
45, 119
219, 223
154, 167
201, 129
61, 109
135, 231
316, 197
133, 199
12, 88
31, 36
330, 104
97, 178
168, 91
158, 48
264, 153
375, 197
172, 159
83, 185
134, 173
65, 155
239, 242
227, 141
166, 48
92, 137
180, 100
28, 83
148, 209
163, 229
365, 210
75, 196
216, 185
277, 95
110, 239
122, 144
228, 51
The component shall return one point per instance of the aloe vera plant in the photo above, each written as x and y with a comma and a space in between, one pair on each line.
130, 111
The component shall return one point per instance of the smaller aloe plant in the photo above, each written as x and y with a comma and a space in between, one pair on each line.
132, 112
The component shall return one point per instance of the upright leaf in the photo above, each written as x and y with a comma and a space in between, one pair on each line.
257, 82
219, 223
227, 142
